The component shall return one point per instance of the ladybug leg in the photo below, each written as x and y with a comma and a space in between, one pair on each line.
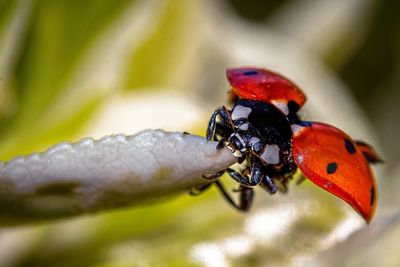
241, 159
246, 195
268, 184
213, 176
221, 143
224, 113
223, 130
195, 191
256, 175
237, 177
245, 198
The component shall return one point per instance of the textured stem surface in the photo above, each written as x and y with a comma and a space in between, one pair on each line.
115, 171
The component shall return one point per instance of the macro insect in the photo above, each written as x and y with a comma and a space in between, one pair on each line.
271, 142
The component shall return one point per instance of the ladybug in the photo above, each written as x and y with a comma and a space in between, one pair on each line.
271, 142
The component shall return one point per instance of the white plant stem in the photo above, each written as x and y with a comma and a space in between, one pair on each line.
115, 171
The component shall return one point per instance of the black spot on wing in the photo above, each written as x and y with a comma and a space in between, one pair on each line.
331, 168
250, 73
372, 196
349, 146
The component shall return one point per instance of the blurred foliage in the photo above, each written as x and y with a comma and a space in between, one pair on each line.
255, 10
377, 58
54, 40
156, 60
44, 46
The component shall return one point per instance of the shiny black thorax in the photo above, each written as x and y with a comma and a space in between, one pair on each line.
266, 122
259, 134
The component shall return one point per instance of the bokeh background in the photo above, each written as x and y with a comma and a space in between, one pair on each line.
70, 69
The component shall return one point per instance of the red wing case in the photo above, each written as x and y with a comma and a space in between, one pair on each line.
264, 85
333, 161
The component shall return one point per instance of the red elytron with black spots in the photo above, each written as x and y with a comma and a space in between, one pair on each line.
270, 141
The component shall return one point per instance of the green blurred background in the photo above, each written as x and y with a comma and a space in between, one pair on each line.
70, 69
